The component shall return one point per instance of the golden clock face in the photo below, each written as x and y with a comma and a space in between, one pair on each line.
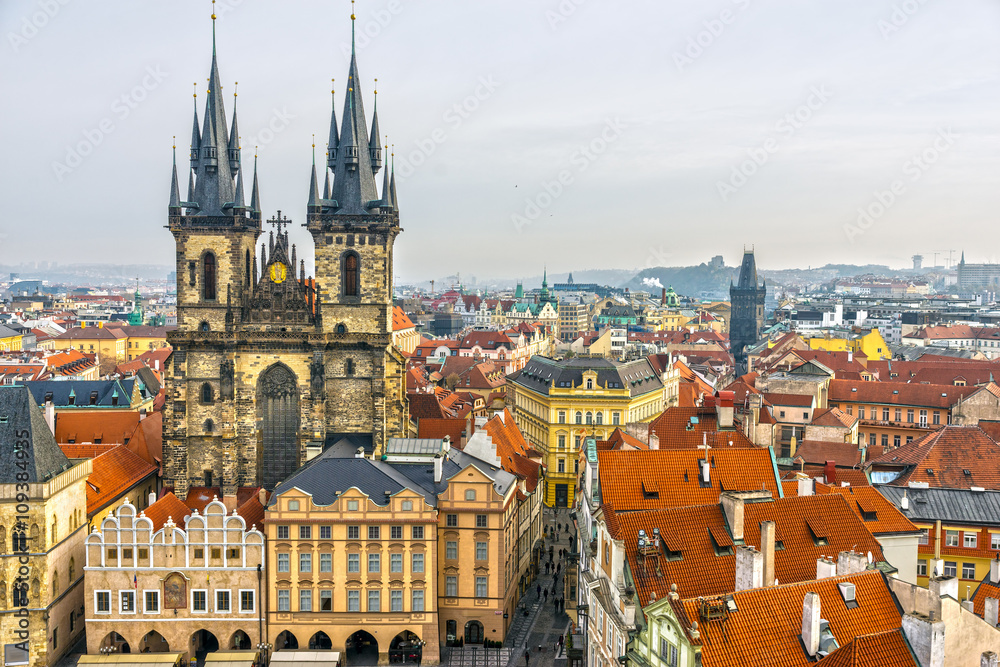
278, 272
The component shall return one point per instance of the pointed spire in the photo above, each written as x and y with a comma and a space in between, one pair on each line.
313, 183
392, 182
190, 196
326, 183
234, 147
293, 253
374, 149
263, 258
255, 194
175, 192
195, 134
334, 143
386, 187
238, 202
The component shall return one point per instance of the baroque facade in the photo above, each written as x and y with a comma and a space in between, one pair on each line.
270, 366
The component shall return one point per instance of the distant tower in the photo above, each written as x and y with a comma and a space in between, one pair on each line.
747, 318
918, 262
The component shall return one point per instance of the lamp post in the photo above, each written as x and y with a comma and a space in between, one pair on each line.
264, 649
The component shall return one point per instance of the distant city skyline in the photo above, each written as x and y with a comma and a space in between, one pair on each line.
564, 134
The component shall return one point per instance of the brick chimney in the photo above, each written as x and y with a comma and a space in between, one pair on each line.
732, 505
663, 296
767, 532
810, 623
749, 568
849, 562
926, 637
830, 473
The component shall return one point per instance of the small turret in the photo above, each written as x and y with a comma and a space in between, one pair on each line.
313, 204
334, 142
174, 207
255, 194
234, 141
374, 148
195, 135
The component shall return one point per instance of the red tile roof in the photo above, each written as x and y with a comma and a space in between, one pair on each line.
169, 506
622, 474
765, 629
897, 393
619, 439
198, 497
957, 457
113, 426
513, 449
867, 502
985, 589
697, 531
884, 649
114, 473
675, 429
252, 512
400, 320
833, 417
87, 451
843, 454
438, 428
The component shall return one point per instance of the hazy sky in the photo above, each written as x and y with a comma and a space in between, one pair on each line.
680, 129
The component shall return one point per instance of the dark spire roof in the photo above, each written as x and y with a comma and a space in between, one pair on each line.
234, 142
238, 201
195, 134
22, 419
175, 190
374, 146
392, 185
334, 142
748, 271
313, 184
326, 183
190, 185
255, 193
386, 188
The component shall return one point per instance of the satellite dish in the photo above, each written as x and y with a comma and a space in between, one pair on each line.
870, 558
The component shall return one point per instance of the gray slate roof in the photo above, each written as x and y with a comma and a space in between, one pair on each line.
948, 505
22, 422
82, 390
542, 373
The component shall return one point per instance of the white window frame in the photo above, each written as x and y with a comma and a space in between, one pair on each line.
327, 561
968, 536
288, 599
199, 590
357, 592
159, 606
395, 595
423, 600
126, 591
413, 563
994, 541
96, 607
253, 596
229, 593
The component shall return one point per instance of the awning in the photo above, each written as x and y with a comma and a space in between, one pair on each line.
232, 658
129, 659
309, 658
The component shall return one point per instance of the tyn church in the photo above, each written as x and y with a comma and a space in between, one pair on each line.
269, 365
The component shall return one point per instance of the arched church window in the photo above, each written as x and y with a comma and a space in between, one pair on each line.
349, 367
208, 285
209, 426
207, 395
248, 264
351, 274
341, 329
204, 326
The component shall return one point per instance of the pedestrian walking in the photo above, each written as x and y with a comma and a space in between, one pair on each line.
546, 568
538, 590
527, 657
546, 592
562, 603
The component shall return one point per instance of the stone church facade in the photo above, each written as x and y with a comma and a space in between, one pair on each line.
270, 366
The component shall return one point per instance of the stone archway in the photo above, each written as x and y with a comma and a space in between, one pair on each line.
406, 647
320, 642
203, 642
474, 633
115, 641
361, 649
278, 409
153, 642
240, 641
286, 641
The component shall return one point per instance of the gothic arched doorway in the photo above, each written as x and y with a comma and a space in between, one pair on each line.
361, 649
474, 632
278, 401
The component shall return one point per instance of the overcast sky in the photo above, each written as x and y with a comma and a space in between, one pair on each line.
680, 130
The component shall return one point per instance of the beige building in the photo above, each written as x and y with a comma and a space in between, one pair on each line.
43, 518
574, 320
168, 581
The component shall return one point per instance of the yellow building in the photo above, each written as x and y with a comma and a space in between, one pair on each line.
10, 340
141, 339
558, 404
109, 344
870, 344
43, 511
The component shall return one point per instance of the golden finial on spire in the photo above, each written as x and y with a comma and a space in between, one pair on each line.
332, 87
255, 152
376, 86
213, 10
239, 143
196, 89
175, 141
352, 9
314, 141
235, 87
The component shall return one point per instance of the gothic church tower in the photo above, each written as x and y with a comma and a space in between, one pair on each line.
747, 316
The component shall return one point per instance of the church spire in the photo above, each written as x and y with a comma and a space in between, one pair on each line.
392, 182
174, 207
195, 134
255, 194
386, 188
238, 203
374, 148
334, 143
313, 183
234, 142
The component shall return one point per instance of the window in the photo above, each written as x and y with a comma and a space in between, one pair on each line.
222, 601
152, 599
282, 532
407, 505
417, 601
968, 570
885, 439
353, 600
326, 562
590, 418
374, 601
417, 564
418, 532
199, 601
921, 568
562, 416
895, 441
199, 554
470, 494
451, 586
850, 410
112, 555
590, 383
481, 588
284, 563
923, 418
208, 288
909, 416
668, 652
950, 568
216, 553
373, 562
305, 599
351, 274
353, 532
861, 412
994, 540
324, 532
102, 602
924, 536
233, 553
872, 439
898, 412
127, 602
936, 418
481, 521
969, 540
373, 533
562, 441
395, 600
451, 550
305, 562
562, 465
395, 562
352, 505
396, 533
284, 600
600, 418
246, 601
451, 520
885, 414
579, 417
616, 419
481, 551
353, 562
326, 600
305, 532
951, 538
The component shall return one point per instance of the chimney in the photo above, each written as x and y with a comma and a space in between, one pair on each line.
262, 496
850, 356
156, 364
749, 568
991, 608
706, 476
944, 586
663, 296
360, 454
152, 498
825, 568
767, 532
830, 472
654, 440
849, 562
810, 624
446, 444
438, 468
968, 605
142, 414
988, 659
724, 414
50, 415
995, 570
807, 486
904, 503
926, 638
732, 505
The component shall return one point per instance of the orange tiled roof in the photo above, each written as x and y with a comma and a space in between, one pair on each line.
833, 417
898, 393
88, 451
619, 439
430, 427
884, 649
198, 497
400, 320
169, 506
942, 458
985, 589
513, 449
114, 473
623, 472
866, 501
695, 532
252, 512
819, 452
676, 430
113, 426
765, 629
